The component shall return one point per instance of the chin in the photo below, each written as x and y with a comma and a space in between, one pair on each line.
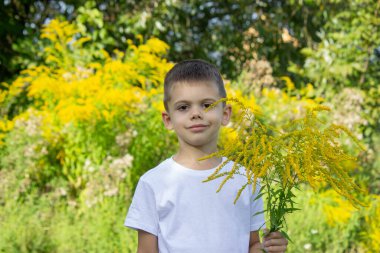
194, 142
198, 143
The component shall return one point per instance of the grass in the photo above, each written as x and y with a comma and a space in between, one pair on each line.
39, 226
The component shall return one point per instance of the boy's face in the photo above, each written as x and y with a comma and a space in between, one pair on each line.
187, 117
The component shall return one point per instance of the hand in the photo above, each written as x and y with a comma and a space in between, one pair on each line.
274, 242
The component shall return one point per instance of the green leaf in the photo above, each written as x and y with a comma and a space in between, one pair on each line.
290, 210
259, 196
257, 213
286, 235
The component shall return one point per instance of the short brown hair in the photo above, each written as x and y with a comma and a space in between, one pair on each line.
192, 70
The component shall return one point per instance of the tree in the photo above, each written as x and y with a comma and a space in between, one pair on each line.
228, 33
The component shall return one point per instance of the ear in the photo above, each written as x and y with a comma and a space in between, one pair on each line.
167, 121
227, 111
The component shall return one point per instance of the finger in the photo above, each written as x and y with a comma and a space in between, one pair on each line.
275, 234
275, 249
275, 242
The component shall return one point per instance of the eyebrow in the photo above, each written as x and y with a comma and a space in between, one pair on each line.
188, 102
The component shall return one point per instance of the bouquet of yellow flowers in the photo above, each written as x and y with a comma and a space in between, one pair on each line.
304, 151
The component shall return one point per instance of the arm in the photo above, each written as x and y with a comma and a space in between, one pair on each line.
147, 242
254, 242
273, 242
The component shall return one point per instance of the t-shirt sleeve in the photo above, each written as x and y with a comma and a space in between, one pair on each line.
142, 213
257, 207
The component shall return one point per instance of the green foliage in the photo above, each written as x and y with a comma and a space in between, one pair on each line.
82, 123
78, 106
345, 56
40, 227
345, 64
149, 146
305, 150
20, 27
316, 235
67, 154
223, 32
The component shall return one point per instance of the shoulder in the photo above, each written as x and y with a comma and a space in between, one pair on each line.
240, 176
157, 173
239, 170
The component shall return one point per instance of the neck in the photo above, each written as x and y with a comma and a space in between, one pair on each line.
189, 156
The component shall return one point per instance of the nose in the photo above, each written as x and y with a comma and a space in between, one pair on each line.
196, 113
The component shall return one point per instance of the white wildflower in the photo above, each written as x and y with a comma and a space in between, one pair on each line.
111, 192
62, 191
307, 246
87, 166
122, 163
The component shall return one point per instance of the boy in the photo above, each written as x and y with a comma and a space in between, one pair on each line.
173, 211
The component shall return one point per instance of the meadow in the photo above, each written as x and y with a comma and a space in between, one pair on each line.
79, 127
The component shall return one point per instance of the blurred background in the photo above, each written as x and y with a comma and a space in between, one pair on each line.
81, 96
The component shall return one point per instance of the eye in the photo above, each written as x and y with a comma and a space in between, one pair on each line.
182, 107
207, 105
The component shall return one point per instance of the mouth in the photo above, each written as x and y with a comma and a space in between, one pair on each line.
197, 127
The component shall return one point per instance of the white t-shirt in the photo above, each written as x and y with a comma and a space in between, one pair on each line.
188, 216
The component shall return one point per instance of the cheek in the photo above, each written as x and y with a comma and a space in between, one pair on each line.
178, 118
216, 116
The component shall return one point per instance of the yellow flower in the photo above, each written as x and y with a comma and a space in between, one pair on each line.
70, 92
337, 210
303, 151
371, 232
289, 83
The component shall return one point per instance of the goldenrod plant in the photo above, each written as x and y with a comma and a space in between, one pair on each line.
79, 103
306, 150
